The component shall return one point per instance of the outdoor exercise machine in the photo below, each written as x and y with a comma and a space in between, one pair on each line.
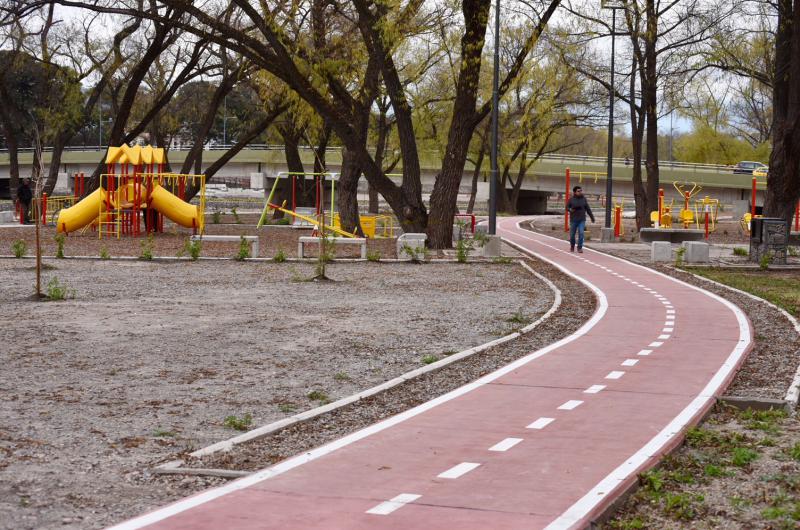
616, 220
687, 214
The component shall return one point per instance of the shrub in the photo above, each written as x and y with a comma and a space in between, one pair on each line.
58, 291
244, 250
280, 256
416, 254
679, 253
740, 251
373, 255
765, 261
104, 253
235, 215
463, 248
19, 248
60, 240
216, 217
192, 248
429, 359
147, 248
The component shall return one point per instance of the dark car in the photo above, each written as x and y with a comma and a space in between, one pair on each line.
747, 167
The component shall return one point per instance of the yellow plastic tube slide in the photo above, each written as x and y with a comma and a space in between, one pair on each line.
174, 209
81, 214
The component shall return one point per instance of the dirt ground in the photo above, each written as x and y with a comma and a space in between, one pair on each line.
148, 360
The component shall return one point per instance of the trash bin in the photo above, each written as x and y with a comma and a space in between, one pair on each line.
769, 237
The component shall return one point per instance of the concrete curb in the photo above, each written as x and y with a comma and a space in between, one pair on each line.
173, 467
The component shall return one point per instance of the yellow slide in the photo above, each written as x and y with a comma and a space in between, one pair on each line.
88, 209
174, 209
83, 213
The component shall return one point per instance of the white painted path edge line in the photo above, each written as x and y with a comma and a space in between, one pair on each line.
259, 476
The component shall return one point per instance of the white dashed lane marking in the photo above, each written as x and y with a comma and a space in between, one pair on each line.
505, 445
387, 507
629, 362
541, 423
615, 374
645, 352
459, 470
571, 404
594, 389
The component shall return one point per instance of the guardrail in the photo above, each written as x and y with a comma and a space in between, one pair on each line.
561, 158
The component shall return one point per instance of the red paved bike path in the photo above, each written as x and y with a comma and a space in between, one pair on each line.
546, 442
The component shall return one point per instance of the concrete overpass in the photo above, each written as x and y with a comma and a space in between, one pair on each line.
546, 177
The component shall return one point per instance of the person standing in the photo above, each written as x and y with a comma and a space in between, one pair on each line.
578, 208
25, 196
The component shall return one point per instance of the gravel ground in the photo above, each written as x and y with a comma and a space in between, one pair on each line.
293, 440
148, 359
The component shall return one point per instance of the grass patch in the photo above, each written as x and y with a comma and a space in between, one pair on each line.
430, 359
286, 408
341, 376
237, 423
318, 395
373, 255
280, 256
163, 433
783, 290
743, 456
740, 251
58, 291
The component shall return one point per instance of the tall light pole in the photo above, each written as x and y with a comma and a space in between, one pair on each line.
495, 121
613, 5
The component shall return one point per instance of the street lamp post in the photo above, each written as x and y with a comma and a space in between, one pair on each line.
613, 5
495, 118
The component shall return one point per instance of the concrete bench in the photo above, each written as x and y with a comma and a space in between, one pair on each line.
252, 239
361, 241
415, 241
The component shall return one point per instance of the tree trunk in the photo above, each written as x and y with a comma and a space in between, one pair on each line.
13, 163
650, 105
783, 182
348, 193
637, 137
55, 163
476, 173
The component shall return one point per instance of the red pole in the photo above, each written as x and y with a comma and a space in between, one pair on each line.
660, 205
617, 221
44, 208
753, 199
706, 223
83, 184
566, 202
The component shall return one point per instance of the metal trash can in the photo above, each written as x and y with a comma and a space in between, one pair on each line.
769, 236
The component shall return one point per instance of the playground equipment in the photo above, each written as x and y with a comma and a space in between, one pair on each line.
371, 225
138, 190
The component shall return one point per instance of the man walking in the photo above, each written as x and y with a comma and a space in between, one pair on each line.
25, 196
578, 207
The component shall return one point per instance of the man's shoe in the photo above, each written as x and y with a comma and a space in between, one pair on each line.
580, 250
572, 249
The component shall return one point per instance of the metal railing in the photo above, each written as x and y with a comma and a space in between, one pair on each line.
560, 158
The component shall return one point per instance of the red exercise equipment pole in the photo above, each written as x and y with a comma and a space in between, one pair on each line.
617, 221
706, 222
660, 206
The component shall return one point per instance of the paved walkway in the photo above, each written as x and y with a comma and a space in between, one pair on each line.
546, 442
